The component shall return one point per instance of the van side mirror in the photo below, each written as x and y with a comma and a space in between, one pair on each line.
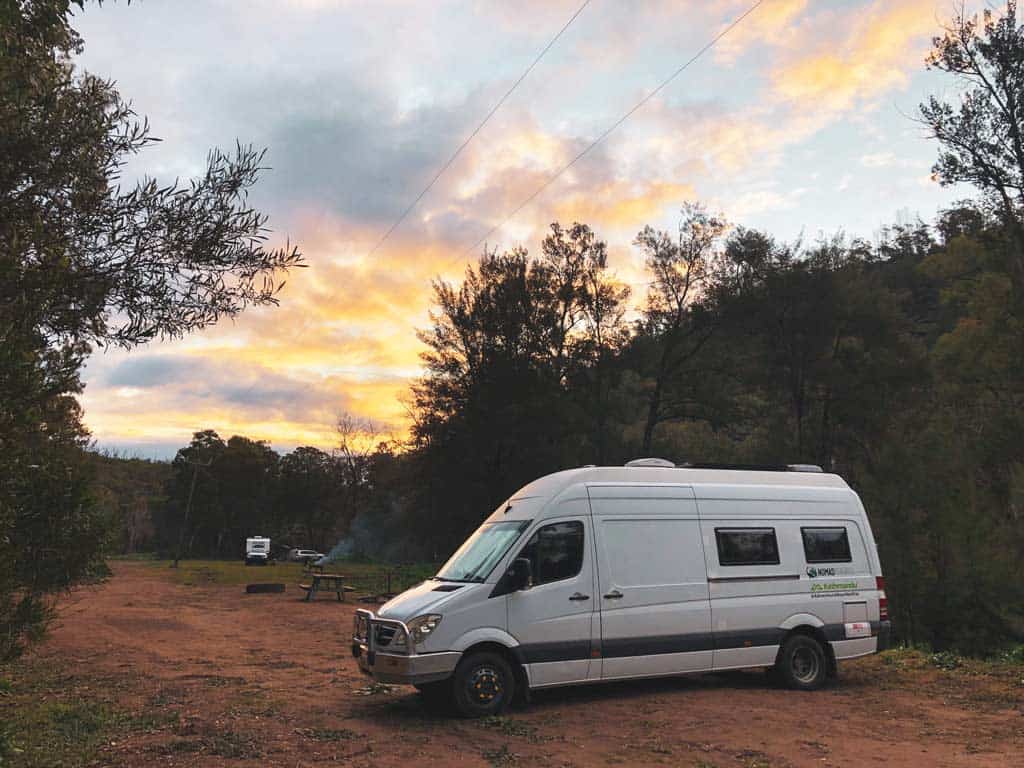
520, 574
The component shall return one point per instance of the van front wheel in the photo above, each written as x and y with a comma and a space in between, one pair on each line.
483, 685
802, 663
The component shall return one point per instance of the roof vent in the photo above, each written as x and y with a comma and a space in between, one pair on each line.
804, 468
652, 462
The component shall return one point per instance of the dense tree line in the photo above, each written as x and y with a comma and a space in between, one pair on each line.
217, 493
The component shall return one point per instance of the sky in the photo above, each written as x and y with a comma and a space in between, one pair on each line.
798, 122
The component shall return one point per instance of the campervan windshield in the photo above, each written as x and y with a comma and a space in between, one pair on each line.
476, 558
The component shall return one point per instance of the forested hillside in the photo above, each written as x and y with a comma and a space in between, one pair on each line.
898, 363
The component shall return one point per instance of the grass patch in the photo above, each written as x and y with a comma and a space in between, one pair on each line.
46, 721
1009, 661
508, 726
501, 757
947, 660
64, 733
365, 577
1013, 656
227, 744
331, 734
373, 689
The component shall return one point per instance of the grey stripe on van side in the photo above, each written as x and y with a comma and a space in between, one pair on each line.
652, 646
575, 650
748, 638
569, 650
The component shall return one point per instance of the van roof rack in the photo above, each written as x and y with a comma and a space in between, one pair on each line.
656, 462
755, 467
650, 462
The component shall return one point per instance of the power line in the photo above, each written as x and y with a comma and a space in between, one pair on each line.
710, 44
476, 130
463, 145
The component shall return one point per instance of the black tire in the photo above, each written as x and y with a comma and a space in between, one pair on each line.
264, 589
483, 685
803, 663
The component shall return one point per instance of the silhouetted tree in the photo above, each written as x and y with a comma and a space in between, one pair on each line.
982, 134
675, 315
84, 262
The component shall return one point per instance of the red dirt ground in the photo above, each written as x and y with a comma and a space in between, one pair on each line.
272, 677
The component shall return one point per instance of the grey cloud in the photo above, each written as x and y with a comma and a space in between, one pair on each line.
362, 160
147, 372
186, 381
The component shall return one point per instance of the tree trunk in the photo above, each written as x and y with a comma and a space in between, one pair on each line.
188, 510
654, 409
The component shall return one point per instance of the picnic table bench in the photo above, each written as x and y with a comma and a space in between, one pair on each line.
332, 582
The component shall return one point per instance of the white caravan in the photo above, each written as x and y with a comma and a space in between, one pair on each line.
610, 573
257, 550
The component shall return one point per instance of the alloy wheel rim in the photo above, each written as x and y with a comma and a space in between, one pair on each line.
805, 665
485, 685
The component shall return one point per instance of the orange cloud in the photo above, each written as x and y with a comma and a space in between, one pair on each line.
775, 23
879, 48
622, 204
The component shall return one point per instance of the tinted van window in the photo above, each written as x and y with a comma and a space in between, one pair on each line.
826, 545
555, 551
747, 546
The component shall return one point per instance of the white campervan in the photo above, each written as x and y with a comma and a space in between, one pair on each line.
257, 550
610, 573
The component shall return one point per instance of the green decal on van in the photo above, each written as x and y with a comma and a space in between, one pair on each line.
836, 586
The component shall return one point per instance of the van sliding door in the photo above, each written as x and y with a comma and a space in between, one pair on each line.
652, 581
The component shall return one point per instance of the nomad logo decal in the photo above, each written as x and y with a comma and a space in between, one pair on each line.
822, 570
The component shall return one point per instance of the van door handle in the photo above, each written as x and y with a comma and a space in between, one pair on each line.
613, 595
579, 596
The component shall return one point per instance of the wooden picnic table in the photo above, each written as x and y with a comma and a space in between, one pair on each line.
332, 582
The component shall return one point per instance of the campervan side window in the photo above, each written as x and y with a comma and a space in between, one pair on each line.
747, 546
555, 551
826, 545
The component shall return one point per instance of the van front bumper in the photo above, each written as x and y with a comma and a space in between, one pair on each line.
387, 666
405, 670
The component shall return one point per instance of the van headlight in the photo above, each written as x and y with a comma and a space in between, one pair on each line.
421, 627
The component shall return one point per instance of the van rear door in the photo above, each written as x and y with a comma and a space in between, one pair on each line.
652, 581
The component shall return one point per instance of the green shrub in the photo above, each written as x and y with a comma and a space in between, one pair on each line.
1014, 655
947, 660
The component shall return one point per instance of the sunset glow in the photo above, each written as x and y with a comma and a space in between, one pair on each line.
360, 103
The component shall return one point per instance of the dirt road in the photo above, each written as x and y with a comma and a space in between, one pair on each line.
220, 678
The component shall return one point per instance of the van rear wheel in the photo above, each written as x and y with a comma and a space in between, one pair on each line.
803, 663
483, 685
